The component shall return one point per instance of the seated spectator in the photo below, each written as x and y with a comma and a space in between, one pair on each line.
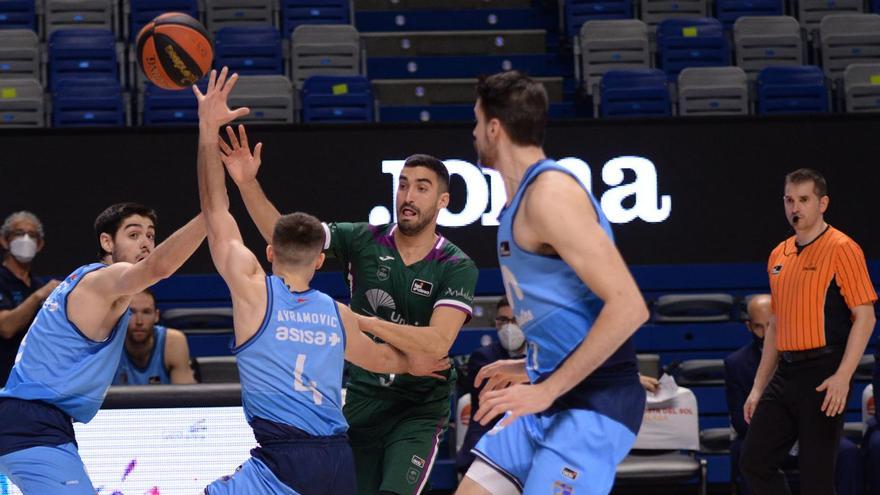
21, 293
872, 435
141, 364
511, 345
740, 368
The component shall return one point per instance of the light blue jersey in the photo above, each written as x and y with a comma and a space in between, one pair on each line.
129, 373
551, 303
57, 364
291, 369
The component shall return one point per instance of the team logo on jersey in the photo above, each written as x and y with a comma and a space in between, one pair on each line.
386, 258
418, 461
504, 248
422, 287
383, 272
560, 488
412, 475
775, 270
378, 298
569, 473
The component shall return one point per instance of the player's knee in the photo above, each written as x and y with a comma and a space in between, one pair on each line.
483, 479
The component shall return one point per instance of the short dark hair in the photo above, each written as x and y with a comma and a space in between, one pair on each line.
432, 163
801, 175
518, 102
152, 296
109, 221
297, 239
502, 303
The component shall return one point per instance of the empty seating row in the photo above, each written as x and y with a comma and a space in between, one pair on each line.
47, 16
809, 13
759, 42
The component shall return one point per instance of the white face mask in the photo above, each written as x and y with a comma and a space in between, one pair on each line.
23, 248
511, 336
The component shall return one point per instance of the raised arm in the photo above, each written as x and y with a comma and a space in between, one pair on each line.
434, 340
552, 205
236, 264
124, 279
242, 167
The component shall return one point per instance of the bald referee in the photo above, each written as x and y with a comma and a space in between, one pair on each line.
822, 300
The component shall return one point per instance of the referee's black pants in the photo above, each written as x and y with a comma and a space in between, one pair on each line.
789, 411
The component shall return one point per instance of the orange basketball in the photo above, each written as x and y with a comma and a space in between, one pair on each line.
174, 51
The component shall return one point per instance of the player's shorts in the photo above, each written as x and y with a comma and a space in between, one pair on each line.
574, 451
290, 461
395, 443
47, 470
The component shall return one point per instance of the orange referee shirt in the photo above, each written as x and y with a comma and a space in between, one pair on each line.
814, 287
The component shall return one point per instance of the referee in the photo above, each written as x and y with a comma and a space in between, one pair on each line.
822, 300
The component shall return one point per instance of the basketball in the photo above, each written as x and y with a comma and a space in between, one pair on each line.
174, 51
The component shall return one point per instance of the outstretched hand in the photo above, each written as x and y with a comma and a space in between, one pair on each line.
213, 108
237, 157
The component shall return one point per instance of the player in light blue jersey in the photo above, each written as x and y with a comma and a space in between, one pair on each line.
573, 406
291, 341
69, 355
154, 354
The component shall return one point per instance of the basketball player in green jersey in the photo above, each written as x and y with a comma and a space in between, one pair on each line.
416, 288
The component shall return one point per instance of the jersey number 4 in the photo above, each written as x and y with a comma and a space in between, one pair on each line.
298, 384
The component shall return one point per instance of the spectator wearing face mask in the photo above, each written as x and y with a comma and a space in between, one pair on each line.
21, 293
511, 345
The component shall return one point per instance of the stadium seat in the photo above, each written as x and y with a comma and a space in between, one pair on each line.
786, 90
656, 11
700, 372
22, 103
216, 369
760, 42
713, 91
88, 103
270, 99
324, 50
849, 39
634, 93
192, 318
296, 12
225, 13
861, 86
664, 450
685, 43
577, 12
19, 54
693, 308
82, 53
337, 99
729, 11
162, 107
140, 12
18, 14
249, 50
612, 45
811, 12
79, 14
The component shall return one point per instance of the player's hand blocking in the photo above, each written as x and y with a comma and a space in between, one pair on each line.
213, 109
501, 374
236, 156
516, 400
423, 365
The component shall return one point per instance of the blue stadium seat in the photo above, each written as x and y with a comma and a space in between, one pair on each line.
685, 43
330, 99
88, 103
634, 93
296, 12
728, 11
465, 66
577, 12
457, 112
144, 11
164, 107
249, 50
18, 14
449, 20
82, 53
792, 89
